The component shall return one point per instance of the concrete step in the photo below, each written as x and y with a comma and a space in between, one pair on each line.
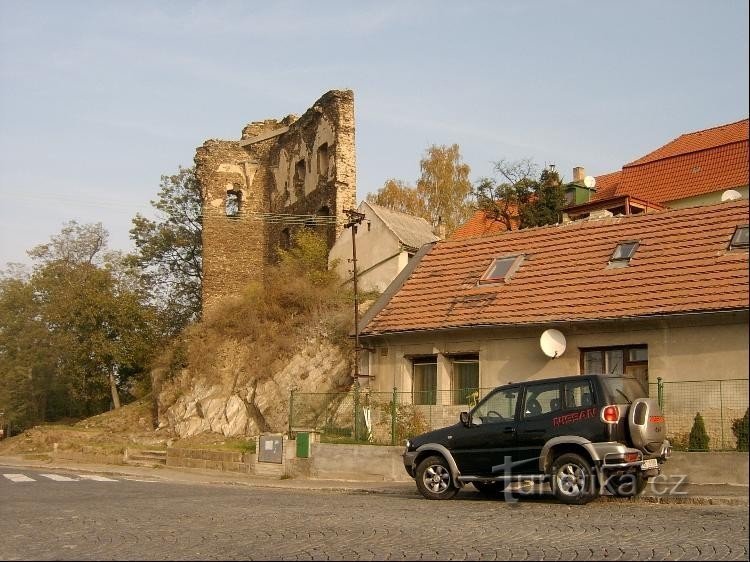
142, 457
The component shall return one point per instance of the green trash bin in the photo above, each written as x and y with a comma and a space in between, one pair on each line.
303, 445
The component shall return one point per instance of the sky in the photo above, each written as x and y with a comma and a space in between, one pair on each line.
99, 99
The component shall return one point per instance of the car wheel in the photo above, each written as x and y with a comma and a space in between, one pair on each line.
626, 485
434, 479
489, 489
573, 479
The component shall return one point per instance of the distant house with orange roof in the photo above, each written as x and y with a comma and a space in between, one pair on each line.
693, 169
661, 295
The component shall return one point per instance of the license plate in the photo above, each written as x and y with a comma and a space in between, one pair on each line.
648, 464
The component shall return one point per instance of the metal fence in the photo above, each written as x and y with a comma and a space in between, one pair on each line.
722, 405
388, 418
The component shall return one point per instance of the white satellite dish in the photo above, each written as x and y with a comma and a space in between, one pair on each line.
552, 343
730, 195
589, 181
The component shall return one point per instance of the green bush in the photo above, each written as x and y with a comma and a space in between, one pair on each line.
741, 432
698, 439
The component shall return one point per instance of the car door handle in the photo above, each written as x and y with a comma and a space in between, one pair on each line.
509, 430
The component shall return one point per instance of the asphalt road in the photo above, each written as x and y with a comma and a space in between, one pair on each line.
45, 517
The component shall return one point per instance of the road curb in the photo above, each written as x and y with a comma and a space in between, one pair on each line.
350, 487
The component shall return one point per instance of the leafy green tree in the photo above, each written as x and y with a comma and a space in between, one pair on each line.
442, 194
517, 198
74, 332
170, 249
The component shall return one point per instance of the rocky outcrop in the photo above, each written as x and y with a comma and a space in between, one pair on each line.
236, 401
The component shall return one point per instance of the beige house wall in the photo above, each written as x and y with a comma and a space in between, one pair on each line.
380, 257
678, 350
704, 199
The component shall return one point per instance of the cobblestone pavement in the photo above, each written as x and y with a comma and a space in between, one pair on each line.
131, 520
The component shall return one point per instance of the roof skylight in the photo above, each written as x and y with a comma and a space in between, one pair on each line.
624, 252
501, 269
739, 238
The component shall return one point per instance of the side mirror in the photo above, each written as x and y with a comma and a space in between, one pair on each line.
465, 418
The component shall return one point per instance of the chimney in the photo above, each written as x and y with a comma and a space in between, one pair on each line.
579, 172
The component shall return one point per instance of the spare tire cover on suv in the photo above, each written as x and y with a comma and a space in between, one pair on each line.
647, 426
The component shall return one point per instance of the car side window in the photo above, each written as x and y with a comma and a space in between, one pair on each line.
541, 399
578, 394
498, 407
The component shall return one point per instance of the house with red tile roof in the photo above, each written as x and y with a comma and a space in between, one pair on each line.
693, 169
386, 241
657, 296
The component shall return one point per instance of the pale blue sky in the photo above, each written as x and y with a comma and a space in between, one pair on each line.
99, 98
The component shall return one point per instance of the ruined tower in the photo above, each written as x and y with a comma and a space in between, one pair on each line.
297, 172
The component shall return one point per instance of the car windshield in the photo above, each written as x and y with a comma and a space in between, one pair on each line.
621, 389
497, 407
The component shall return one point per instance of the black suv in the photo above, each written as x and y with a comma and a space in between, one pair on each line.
581, 434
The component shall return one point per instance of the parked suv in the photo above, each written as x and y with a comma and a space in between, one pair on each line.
581, 434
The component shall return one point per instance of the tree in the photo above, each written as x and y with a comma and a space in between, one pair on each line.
399, 196
444, 186
74, 331
442, 195
170, 249
517, 199
698, 439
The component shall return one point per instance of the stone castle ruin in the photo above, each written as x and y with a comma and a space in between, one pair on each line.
297, 172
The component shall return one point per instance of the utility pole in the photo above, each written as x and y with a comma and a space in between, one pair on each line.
355, 219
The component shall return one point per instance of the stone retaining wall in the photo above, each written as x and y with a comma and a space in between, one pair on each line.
226, 461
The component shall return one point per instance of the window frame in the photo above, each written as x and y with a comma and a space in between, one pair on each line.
626, 362
457, 359
624, 259
733, 245
429, 393
515, 264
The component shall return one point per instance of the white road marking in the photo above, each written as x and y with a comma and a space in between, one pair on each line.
95, 478
59, 478
18, 478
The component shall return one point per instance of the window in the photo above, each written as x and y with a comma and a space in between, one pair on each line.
629, 360
232, 203
578, 394
623, 252
323, 160
502, 269
739, 238
424, 380
541, 399
498, 407
464, 378
300, 171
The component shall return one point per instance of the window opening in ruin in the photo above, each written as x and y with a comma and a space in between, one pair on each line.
323, 160
300, 170
233, 203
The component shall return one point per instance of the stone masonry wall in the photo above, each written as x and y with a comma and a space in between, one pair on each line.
296, 169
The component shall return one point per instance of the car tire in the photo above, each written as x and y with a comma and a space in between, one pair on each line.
626, 485
434, 480
573, 479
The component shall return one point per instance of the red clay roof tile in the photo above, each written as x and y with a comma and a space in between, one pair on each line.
682, 264
693, 164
